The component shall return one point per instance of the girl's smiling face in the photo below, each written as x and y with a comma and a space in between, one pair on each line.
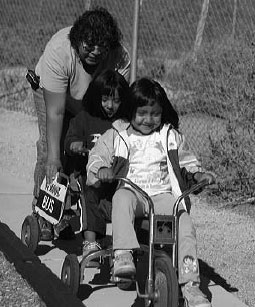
147, 118
110, 104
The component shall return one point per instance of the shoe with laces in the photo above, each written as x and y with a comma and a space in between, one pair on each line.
45, 229
58, 228
124, 265
193, 296
89, 248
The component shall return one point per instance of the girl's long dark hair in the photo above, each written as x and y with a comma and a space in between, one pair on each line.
146, 91
105, 84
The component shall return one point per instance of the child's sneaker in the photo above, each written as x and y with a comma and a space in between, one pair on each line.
45, 229
124, 264
90, 247
58, 228
193, 296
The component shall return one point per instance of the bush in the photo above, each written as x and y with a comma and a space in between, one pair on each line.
222, 82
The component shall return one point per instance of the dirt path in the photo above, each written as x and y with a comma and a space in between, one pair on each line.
226, 242
18, 134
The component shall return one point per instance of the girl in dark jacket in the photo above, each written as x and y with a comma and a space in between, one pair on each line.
105, 101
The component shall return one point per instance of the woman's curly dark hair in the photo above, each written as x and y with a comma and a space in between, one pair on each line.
146, 91
95, 27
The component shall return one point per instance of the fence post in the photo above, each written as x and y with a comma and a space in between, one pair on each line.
200, 28
87, 5
234, 20
134, 41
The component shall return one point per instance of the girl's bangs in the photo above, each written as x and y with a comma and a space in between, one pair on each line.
146, 101
108, 90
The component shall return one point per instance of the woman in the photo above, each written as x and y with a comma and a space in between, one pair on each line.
71, 59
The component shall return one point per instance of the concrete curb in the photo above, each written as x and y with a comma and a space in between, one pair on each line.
48, 286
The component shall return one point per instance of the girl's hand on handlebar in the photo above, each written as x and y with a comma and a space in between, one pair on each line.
105, 174
52, 168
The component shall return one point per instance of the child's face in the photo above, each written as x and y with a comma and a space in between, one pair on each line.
147, 118
111, 104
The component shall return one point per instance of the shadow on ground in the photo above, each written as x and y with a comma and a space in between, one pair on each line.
101, 280
71, 245
49, 287
210, 274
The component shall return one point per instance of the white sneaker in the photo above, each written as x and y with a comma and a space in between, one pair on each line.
90, 247
193, 296
124, 265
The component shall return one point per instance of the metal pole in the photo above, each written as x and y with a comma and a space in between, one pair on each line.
234, 20
134, 41
200, 27
87, 5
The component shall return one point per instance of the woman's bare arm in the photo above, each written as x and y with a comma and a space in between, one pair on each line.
55, 110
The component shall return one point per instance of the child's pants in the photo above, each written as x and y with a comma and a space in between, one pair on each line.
127, 204
98, 204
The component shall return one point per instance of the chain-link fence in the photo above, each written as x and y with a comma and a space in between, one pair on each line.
170, 30
200, 50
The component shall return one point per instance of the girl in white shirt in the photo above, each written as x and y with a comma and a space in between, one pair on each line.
151, 152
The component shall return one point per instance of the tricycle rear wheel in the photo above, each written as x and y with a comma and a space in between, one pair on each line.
30, 232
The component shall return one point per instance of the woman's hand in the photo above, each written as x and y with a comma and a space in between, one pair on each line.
105, 174
52, 168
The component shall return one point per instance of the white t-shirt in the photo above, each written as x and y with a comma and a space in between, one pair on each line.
148, 164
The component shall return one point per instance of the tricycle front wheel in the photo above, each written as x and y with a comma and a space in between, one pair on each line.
70, 273
165, 284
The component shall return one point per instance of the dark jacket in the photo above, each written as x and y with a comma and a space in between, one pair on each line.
86, 128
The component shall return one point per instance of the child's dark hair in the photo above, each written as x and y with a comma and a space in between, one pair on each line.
105, 84
146, 91
95, 27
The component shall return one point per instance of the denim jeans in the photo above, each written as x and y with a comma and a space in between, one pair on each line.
41, 144
127, 204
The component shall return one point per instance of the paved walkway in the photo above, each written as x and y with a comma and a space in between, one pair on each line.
15, 205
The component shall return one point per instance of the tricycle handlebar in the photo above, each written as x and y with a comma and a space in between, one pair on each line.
194, 188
